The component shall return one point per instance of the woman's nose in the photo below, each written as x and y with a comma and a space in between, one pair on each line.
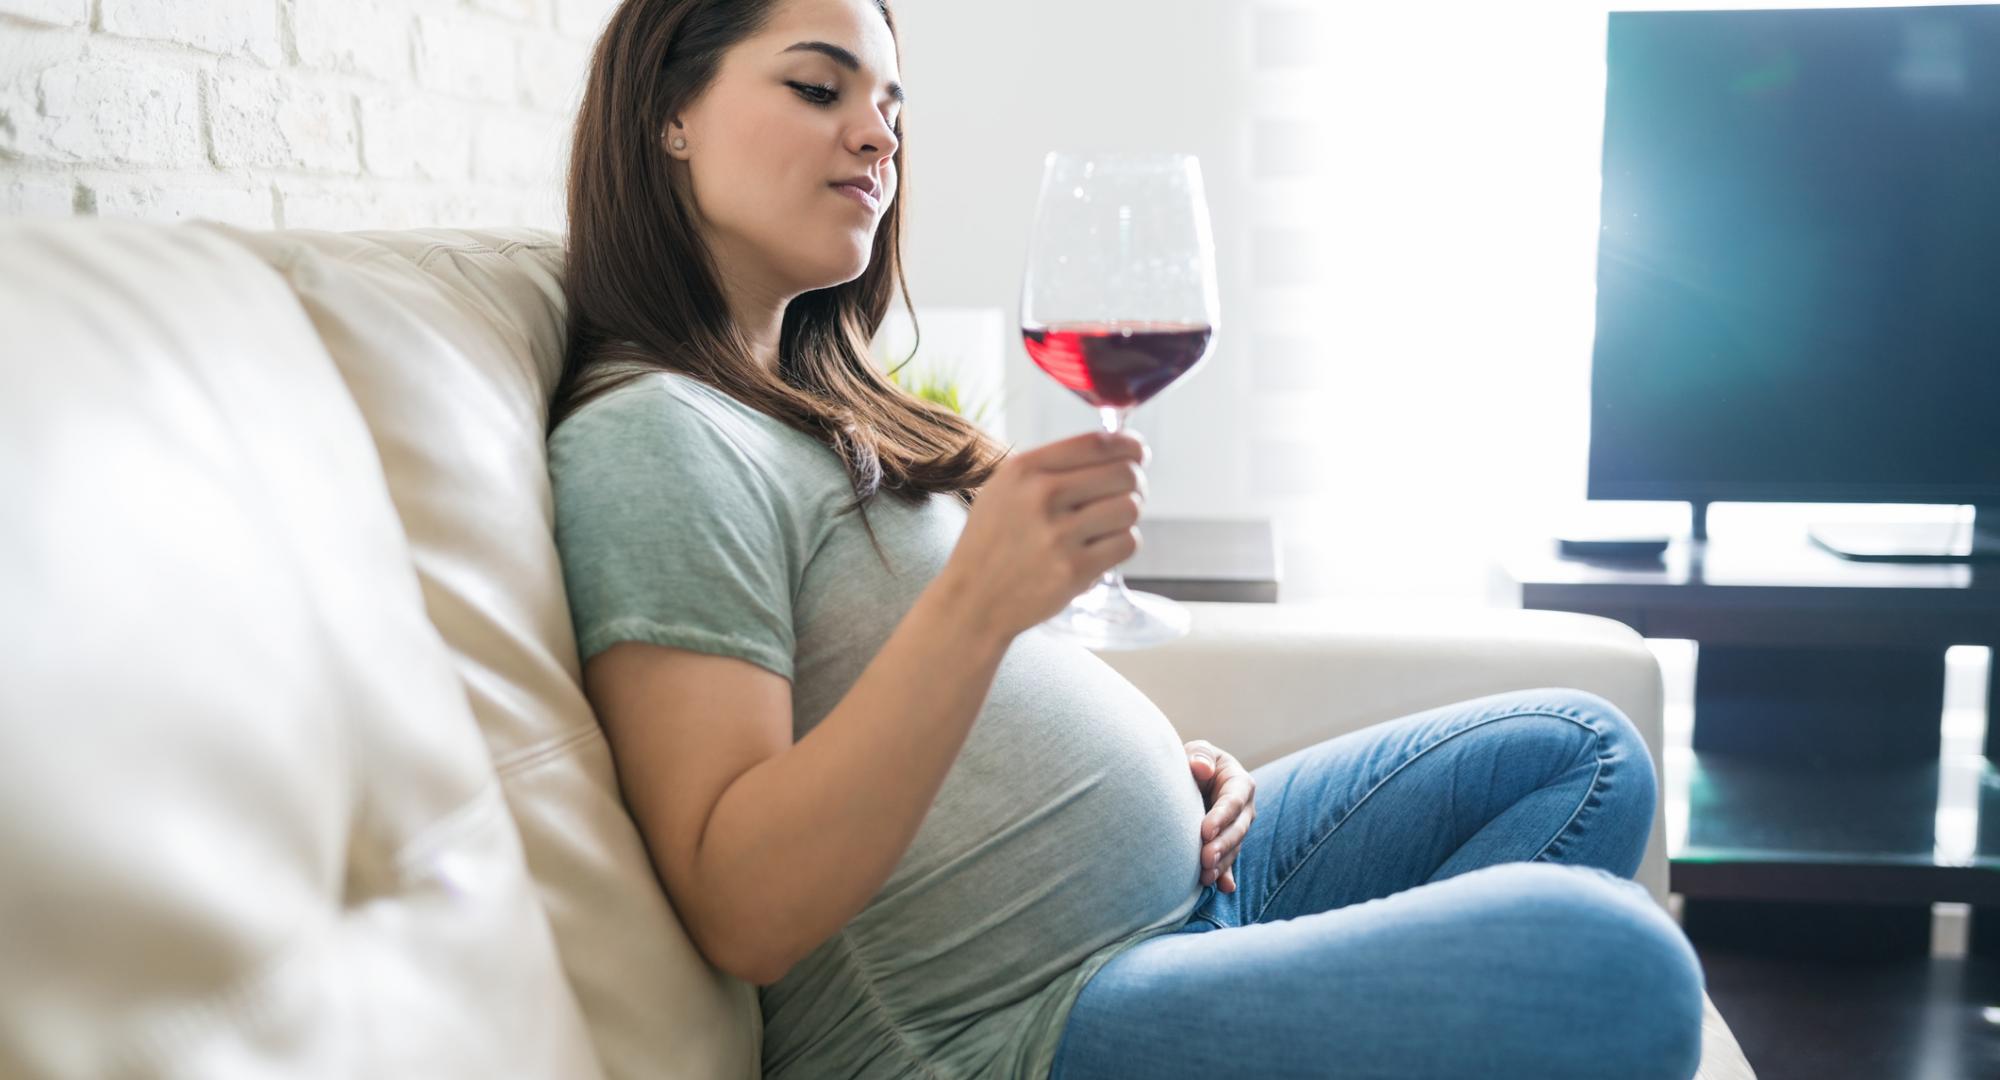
877, 139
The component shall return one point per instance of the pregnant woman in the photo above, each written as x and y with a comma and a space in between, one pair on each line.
941, 842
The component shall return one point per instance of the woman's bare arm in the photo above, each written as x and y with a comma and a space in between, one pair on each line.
769, 847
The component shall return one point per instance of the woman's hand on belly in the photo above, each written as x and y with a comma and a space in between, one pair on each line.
1228, 791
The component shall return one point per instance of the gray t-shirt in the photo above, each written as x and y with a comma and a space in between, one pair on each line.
1067, 829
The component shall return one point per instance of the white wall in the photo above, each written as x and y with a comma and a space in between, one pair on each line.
992, 89
1403, 221
1405, 200
334, 114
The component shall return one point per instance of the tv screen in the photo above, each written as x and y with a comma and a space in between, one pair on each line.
1798, 278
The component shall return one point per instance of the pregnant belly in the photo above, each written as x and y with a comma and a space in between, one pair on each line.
1070, 820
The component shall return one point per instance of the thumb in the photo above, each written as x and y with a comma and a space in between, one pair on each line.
1201, 760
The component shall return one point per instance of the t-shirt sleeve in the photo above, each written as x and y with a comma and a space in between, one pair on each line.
670, 533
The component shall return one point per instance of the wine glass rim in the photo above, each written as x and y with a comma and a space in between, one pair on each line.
1124, 157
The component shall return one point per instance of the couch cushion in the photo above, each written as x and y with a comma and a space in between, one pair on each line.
247, 824
451, 341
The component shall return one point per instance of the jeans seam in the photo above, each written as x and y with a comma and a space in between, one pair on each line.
1576, 815
1597, 736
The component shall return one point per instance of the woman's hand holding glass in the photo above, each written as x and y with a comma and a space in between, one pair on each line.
1048, 523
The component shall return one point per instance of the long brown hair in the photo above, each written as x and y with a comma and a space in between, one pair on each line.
642, 284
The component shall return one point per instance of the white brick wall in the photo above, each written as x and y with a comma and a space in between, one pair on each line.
329, 114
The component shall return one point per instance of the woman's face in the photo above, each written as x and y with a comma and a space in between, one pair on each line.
785, 121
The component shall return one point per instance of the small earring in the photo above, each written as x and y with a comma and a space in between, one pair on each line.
680, 143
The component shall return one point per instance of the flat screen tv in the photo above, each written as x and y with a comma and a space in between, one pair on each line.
1798, 275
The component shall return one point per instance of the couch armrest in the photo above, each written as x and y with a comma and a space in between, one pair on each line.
1263, 680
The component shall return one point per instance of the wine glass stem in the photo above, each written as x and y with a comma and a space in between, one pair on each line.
1113, 419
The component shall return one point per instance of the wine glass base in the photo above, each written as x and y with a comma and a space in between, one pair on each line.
1119, 618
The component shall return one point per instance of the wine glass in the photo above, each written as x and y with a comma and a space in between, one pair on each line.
1118, 300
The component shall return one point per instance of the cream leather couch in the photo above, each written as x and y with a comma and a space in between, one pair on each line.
298, 779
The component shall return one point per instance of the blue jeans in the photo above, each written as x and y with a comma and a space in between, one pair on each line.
1446, 894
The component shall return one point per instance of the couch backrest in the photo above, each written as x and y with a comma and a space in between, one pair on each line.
451, 340
247, 822
438, 348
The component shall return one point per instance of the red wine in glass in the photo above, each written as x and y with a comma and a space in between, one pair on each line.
1116, 364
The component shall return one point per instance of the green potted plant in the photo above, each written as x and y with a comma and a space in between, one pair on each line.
939, 389
955, 365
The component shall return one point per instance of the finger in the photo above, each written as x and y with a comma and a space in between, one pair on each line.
1109, 515
1213, 823
1089, 448
1204, 782
1232, 782
1228, 879
1223, 847
1080, 487
1220, 814
1114, 547
1229, 857
1228, 805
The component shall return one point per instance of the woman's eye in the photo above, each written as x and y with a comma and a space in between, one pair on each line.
827, 95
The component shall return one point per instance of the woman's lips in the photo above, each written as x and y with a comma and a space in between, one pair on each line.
856, 194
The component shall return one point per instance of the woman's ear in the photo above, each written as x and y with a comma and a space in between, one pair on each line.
675, 138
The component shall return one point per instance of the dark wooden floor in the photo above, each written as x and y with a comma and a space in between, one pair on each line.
1935, 1018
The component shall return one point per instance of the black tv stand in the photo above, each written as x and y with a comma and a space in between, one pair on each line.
1817, 760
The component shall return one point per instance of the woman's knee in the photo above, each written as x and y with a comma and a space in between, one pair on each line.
1617, 737
1611, 721
1625, 964
1613, 728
